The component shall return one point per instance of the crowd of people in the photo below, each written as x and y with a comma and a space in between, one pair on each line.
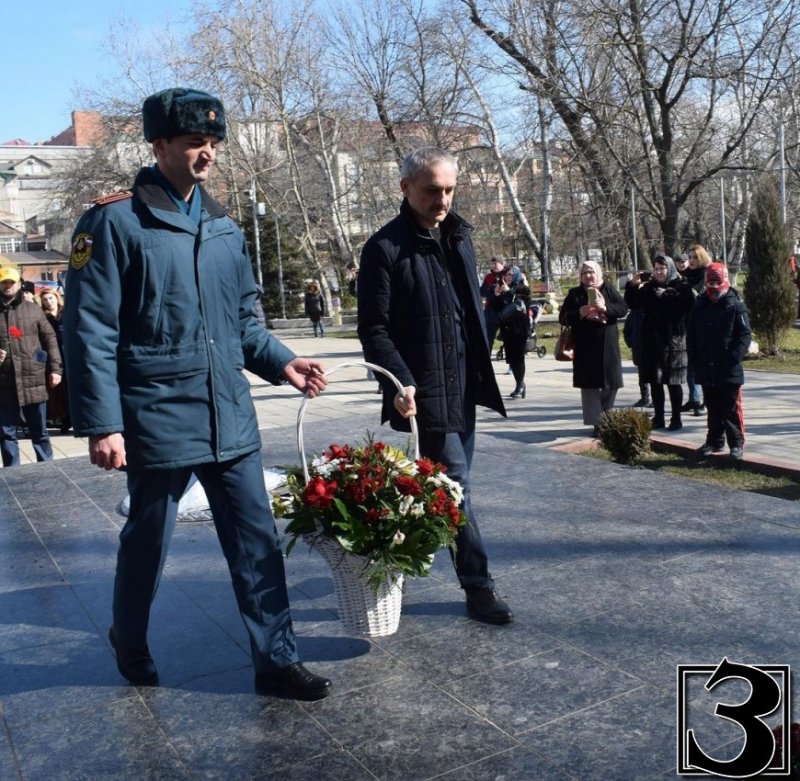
32, 389
156, 381
685, 324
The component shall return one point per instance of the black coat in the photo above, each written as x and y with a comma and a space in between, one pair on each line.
717, 339
597, 361
405, 321
515, 331
662, 357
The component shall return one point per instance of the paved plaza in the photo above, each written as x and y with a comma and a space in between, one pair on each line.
616, 575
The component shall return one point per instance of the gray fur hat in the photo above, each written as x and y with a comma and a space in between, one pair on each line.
178, 111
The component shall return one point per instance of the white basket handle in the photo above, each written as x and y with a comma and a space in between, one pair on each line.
302, 411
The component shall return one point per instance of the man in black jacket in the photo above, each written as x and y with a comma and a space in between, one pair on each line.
420, 317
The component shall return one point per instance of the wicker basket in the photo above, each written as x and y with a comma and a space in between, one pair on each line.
362, 610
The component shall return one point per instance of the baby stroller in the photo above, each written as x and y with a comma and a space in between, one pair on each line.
535, 312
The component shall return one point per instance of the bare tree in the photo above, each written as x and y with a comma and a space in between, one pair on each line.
648, 92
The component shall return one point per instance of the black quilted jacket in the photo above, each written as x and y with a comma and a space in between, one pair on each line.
405, 321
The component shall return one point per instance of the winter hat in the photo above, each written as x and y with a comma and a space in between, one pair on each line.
178, 111
717, 274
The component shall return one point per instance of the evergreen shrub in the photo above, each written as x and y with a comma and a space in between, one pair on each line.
625, 434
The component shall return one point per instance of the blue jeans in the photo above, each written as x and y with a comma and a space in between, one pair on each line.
36, 421
455, 451
694, 388
249, 540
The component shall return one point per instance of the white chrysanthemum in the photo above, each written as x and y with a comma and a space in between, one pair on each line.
323, 467
417, 510
405, 505
453, 487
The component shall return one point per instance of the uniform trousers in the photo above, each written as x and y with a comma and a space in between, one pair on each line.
455, 451
249, 539
725, 415
36, 421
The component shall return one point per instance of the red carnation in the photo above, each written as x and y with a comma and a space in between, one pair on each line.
425, 466
407, 486
15, 332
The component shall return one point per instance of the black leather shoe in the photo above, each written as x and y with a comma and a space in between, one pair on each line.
135, 664
483, 603
293, 682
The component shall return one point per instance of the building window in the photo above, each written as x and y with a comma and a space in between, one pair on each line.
10, 244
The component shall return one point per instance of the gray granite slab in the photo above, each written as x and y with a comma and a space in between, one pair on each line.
515, 764
68, 676
462, 649
8, 765
414, 731
229, 732
631, 736
117, 742
609, 597
533, 691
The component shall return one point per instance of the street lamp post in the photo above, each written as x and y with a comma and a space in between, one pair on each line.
280, 264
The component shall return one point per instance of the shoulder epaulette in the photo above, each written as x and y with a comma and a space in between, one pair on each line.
113, 198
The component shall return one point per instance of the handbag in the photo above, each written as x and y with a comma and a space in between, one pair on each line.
565, 345
513, 310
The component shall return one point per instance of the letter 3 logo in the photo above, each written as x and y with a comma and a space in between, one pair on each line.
766, 696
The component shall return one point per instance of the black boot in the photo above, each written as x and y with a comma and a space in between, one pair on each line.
675, 422
657, 392
518, 369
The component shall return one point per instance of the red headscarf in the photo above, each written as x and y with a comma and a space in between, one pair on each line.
717, 273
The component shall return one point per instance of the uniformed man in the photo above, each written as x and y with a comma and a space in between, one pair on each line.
158, 330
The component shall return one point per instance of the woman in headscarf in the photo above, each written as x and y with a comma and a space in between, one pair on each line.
592, 310
665, 300
699, 260
514, 324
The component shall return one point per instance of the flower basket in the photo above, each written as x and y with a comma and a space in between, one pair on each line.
362, 609
375, 514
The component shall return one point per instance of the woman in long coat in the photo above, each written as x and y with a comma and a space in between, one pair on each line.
666, 301
514, 329
592, 310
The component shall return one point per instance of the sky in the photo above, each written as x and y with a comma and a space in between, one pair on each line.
51, 48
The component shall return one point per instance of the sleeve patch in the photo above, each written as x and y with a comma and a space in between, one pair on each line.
81, 251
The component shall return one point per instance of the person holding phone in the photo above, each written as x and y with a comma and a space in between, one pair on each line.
665, 301
592, 310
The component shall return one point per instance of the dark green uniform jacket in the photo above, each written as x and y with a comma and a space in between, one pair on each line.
159, 328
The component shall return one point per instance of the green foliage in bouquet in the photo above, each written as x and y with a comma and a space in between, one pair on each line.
377, 503
625, 434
